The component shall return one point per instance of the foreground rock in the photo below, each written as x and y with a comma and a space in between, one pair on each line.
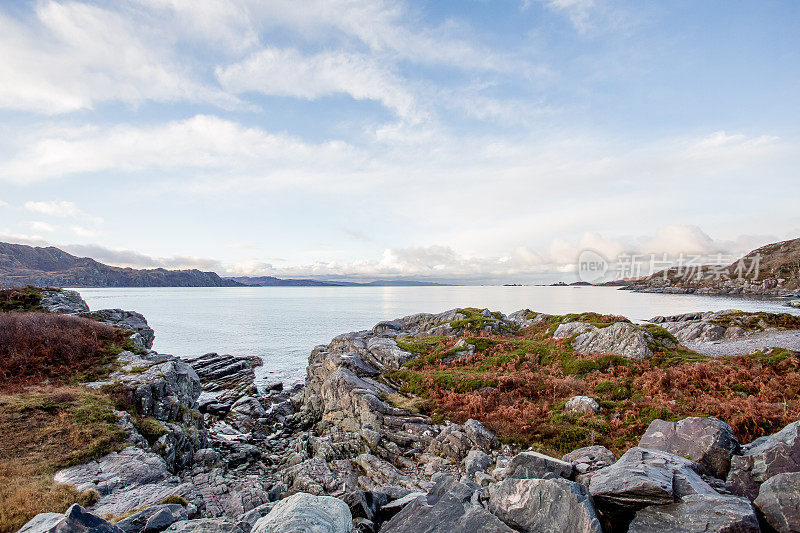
779, 501
449, 506
306, 513
707, 441
544, 505
763, 458
75, 520
698, 514
645, 477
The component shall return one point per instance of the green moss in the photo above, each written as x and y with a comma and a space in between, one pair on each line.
418, 345
150, 428
758, 321
615, 390
661, 336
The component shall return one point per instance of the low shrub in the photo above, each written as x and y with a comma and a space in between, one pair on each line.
37, 347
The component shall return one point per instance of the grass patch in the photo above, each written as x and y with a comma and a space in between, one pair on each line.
42, 431
418, 345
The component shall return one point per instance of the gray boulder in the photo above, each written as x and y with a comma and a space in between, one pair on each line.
476, 461
707, 441
698, 514
645, 477
386, 353
620, 338
448, 507
229, 376
306, 513
766, 457
455, 441
75, 520
61, 301
535, 465
579, 405
544, 506
779, 501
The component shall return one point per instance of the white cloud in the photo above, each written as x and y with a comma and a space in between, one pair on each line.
54, 208
288, 72
38, 225
73, 55
201, 142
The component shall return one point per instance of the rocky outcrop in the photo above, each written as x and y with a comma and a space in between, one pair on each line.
154, 518
129, 320
306, 513
61, 301
779, 501
707, 441
228, 376
771, 270
620, 338
763, 458
544, 505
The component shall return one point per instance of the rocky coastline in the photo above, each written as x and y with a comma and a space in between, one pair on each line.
346, 452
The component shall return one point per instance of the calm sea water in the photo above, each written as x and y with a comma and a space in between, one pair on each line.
282, 324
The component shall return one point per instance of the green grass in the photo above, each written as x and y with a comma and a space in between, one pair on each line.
418, 345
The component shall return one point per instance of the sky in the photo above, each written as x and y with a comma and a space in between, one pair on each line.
470, 141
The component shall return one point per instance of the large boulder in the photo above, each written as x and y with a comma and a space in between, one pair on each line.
448, 507
766, 457
75, 520
229, 376
535, 465
477, 461
306, 513
544, 506
698, 514
705, 440
779, 501
645, 477
620, 338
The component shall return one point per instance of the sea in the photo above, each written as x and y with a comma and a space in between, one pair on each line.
282, 324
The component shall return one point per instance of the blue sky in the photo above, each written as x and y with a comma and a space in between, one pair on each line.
477, 141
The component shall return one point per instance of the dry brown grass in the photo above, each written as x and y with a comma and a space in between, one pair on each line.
517, 386
42, 430
47, 347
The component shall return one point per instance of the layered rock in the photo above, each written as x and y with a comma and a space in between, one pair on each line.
129, 320
707, 441
61, 301
620, 338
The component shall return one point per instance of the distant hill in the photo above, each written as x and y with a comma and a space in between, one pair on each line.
32, 265
270, 281
772, 270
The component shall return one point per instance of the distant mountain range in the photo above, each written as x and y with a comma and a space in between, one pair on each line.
51, 267
33, 265
269, 281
